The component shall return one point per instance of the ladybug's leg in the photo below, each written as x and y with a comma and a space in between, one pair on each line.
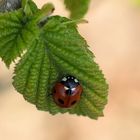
49, 94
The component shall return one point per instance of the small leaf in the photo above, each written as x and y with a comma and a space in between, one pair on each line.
78, 8
44, 13
29, 7
10, 37
18, 30
15, 35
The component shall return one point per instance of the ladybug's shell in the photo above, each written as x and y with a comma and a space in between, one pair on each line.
64, 100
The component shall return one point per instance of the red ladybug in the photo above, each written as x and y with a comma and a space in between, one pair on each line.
67, 92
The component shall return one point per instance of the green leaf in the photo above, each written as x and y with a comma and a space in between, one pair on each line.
61, 50
15, 35
29, 7
42, 14
11, 40
78, 8
17, 31
35, 76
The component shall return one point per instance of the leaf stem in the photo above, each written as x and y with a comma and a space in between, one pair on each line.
45, 11
77, 21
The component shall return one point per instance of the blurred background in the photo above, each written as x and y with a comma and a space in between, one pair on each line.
113, 32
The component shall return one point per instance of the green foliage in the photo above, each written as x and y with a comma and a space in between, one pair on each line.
53, 49
12, 41
15, 35
78, 8
17, 31
29, 7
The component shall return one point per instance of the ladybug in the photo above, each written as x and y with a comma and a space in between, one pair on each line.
67, 92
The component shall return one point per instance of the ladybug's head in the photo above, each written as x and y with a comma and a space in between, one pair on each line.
70, 81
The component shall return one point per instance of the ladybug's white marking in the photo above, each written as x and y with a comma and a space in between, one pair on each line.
64, 79
73, 89
66, 88
68, 77
76, 80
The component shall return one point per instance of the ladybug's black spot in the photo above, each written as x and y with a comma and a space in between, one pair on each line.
60, 101
73, 102
54, 91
